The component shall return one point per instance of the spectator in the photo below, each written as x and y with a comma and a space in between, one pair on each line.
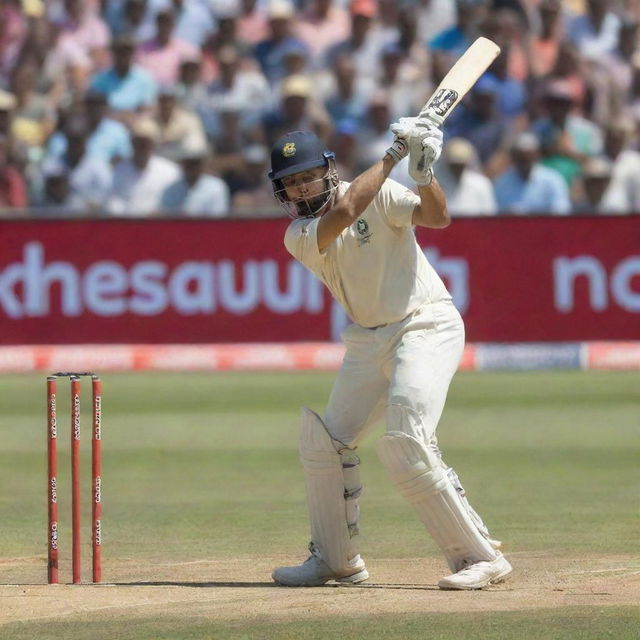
507, 27
295, 61
227, 31
434, 17
191, 92
230, 142
196, 193
179, 128
298, 111
344, 143
448, 45
375, 134
128, 87
134, 18
234, 84
108, 140
127, 17
161, 56
567, 139
321, 25
65, 65
254, 195
618, 63
403, 88
364, 43
510, 93
634, 92
469, 192
194, 20
252, 22
544, 45
625, 161
138, 184
416, 57
13, 191
527, 186
591, 82
350, 92
33, 118
596, 32
479, 120
225, 36
83, 27
269, 52
388, 17
598, 194
57, 198
7, 105
13, 32
571, 73
325, 60
89, 177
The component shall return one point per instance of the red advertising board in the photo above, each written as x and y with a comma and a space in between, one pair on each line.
213, 281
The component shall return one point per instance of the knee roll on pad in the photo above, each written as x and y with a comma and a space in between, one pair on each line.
333, 487
422, 480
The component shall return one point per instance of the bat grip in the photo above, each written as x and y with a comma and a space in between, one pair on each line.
431, 115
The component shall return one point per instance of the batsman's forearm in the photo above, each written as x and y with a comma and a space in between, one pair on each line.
365, 187
355, 200
432, 211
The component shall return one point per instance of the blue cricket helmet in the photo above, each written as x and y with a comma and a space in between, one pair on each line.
298, 151
295, 152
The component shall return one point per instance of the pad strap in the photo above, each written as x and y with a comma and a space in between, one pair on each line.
333, 488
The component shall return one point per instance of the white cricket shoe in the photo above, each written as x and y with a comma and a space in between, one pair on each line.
314, 571
478, 575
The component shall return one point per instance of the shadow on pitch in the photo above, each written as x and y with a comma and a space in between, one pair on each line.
262, 585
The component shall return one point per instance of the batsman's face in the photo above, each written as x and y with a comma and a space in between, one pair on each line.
306, 184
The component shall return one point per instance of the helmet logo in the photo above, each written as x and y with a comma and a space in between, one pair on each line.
289, 149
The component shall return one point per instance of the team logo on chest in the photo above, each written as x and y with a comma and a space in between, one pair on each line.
362, 227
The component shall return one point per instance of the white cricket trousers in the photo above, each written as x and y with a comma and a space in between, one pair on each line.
408, 363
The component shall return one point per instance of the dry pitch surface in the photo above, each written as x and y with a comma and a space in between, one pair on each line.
241, 589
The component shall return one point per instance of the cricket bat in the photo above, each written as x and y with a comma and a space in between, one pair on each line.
460, 78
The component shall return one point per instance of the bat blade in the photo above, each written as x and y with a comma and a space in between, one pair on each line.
460, 78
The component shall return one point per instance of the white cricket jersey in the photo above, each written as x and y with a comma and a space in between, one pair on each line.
375, 268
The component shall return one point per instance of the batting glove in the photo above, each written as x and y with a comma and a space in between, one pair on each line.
402, 131
399, 149
424, 151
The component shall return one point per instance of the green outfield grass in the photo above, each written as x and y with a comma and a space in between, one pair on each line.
204, 466
599, 623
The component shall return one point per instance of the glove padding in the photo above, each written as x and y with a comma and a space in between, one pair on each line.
399, 149
425, 146
424, 151
402, 130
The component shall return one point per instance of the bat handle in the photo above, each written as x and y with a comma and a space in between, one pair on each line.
431, 115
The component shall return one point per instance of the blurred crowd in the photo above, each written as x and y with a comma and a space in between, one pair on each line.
170, 107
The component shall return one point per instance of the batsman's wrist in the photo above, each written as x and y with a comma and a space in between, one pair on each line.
398, 150
426, 180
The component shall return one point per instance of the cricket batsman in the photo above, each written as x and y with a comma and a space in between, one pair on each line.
402, 350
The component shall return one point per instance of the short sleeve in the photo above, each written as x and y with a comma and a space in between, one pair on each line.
397, 203
301, 241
